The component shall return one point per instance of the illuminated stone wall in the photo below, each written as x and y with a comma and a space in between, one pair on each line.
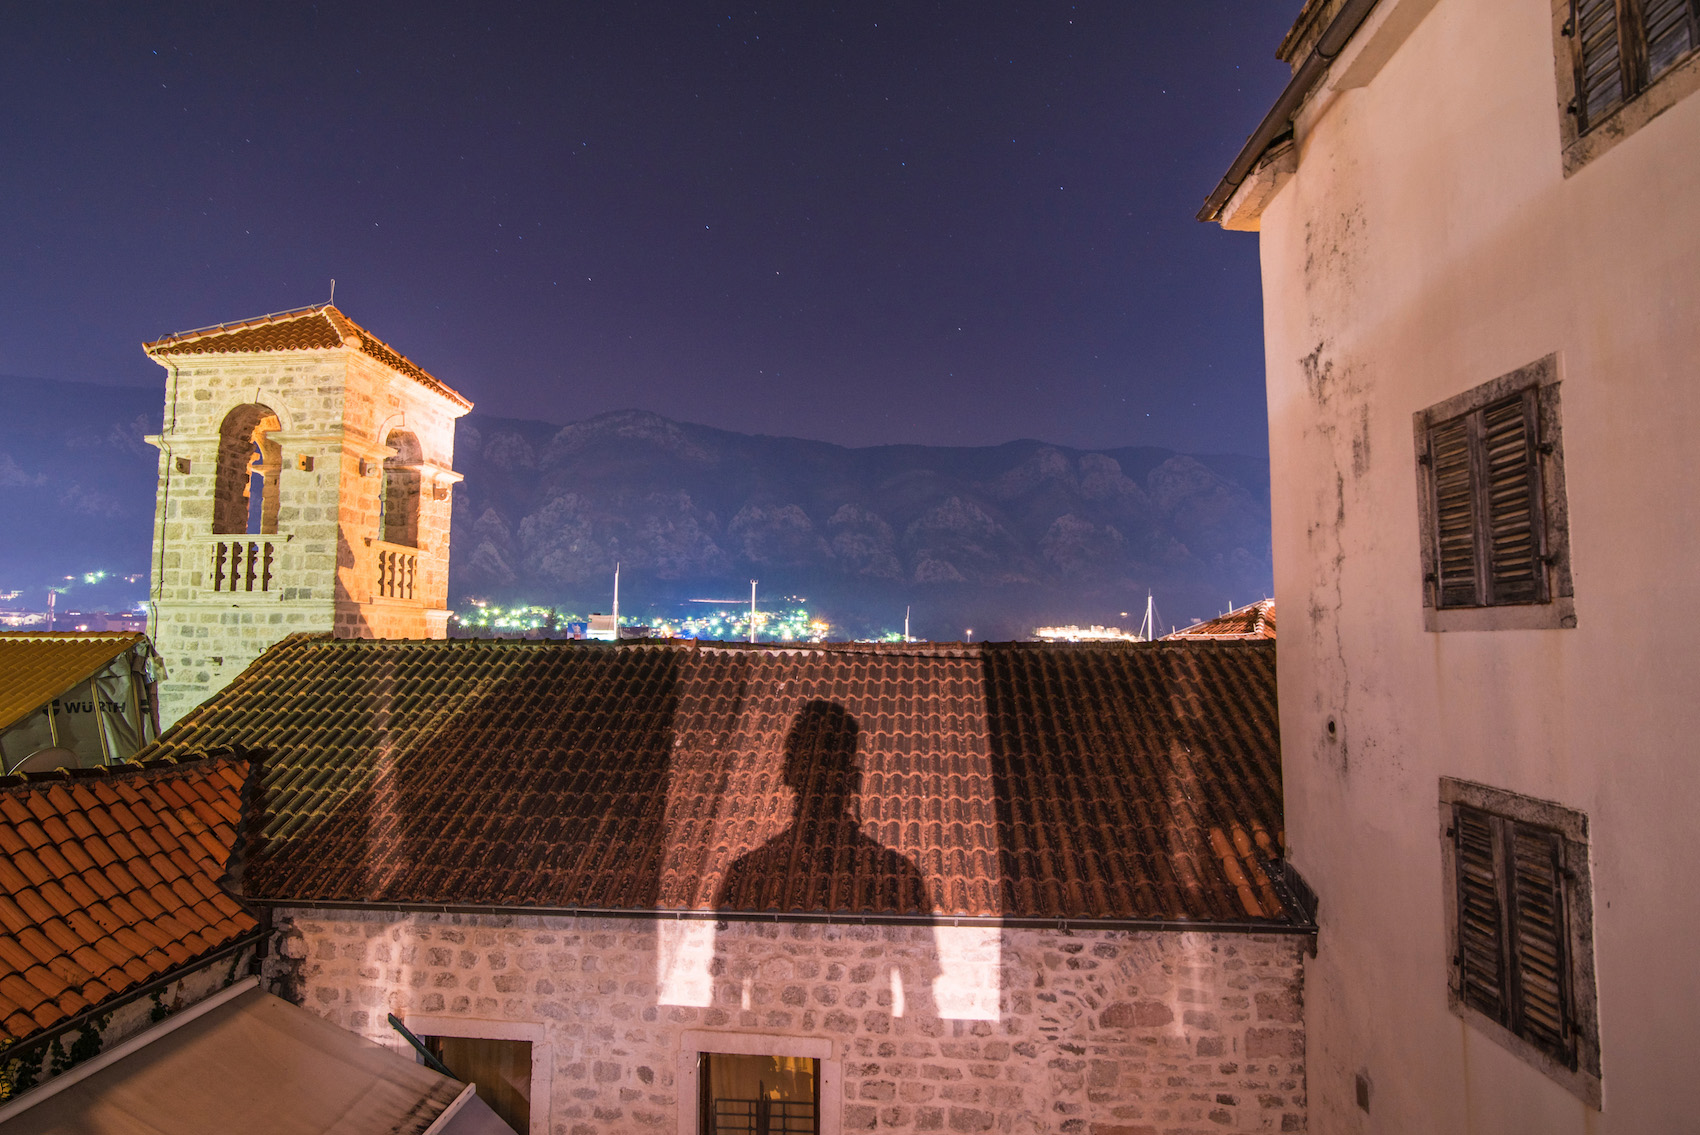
319, 569
1094, 1032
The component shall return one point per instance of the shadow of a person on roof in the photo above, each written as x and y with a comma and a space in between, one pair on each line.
823, 863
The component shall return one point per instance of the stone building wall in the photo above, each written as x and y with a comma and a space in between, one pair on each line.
334, 407
377, 402
1088, 1032
207, 637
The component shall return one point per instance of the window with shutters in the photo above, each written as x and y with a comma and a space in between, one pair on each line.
1620, 63
1520, 928
1494, 522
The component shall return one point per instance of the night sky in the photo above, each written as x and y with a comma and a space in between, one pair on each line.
908, 222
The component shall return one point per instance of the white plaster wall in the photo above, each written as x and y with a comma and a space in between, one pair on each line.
1429, 242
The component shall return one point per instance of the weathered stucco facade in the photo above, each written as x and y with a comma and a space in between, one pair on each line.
335, 426
1090, 1031
1436, 227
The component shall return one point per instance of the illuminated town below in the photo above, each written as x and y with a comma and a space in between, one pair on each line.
788, 623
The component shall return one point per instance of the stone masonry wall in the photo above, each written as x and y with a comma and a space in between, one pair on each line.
206, 638
378, 402
1093, 1032
332, 405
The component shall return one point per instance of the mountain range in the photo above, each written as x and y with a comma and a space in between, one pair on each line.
996, 538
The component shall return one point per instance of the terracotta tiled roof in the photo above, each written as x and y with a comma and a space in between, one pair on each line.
320, 328
108, 880
1089, 781
38, 666
1254, 620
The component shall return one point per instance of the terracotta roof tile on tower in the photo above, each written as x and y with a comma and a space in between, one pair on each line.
108, 879
1114, 781
318, 328
1254, 620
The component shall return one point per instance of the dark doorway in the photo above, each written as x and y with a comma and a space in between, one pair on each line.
499, 1069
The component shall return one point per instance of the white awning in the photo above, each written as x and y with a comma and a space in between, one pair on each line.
246, 1061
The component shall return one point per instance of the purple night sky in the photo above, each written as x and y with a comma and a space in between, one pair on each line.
954, 223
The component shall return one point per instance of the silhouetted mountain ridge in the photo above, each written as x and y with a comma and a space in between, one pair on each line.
999, 538
1003, 536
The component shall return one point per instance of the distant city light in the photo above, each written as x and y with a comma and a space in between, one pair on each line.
784, 624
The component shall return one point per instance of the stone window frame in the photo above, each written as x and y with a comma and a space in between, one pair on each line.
1584, 1080
242, 429
474, 1028
401, 488
1660, 95
1559, 610
694, 1042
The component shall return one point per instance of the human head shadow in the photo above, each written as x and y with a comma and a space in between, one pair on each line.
823, 863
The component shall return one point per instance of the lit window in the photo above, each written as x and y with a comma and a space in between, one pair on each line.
759, 1082
759, 1095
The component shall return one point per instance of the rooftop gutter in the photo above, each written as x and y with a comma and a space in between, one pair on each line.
1279, 120
1176, 925
29, 1045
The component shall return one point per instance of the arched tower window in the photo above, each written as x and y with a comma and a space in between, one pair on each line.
400, 504
245, 495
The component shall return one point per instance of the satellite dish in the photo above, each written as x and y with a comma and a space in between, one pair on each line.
46, 760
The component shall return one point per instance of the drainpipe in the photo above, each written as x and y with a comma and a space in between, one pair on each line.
1279, 120
164, 500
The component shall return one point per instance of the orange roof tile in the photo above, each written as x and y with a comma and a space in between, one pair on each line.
38, 666
1021, 781
318, 328
1254, 620
62, 947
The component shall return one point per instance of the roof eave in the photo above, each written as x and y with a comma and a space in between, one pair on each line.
160, 349
1279, 120
829, 918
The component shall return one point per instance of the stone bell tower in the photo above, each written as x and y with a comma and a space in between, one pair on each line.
305, 478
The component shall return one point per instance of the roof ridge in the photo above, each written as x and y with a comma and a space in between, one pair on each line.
211, 329
152, 769
67, 636
928, 649
339, 324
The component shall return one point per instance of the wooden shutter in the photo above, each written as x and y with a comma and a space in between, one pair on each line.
1598, 50
1481, 922
1510, 484
1671, 33
1539, 933
1454, 514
